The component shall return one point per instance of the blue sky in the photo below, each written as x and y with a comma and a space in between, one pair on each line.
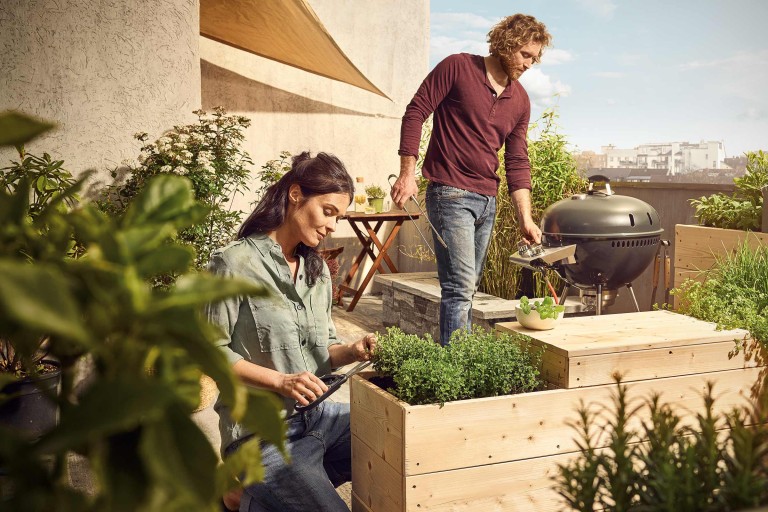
629, 72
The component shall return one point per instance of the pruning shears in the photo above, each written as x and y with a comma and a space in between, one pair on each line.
434, 230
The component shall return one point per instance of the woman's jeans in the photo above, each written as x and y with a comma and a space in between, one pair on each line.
465, 221
319, 444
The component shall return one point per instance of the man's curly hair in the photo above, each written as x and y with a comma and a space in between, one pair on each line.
514, 32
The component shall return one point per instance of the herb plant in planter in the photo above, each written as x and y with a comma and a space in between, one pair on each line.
474, 365
718, 463
32, 190
376, 197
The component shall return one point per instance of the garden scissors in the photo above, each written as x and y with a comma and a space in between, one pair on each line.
413, 198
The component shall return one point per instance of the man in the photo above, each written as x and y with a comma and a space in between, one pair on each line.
478, 106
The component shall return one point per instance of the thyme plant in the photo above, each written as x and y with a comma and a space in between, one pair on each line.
475, 364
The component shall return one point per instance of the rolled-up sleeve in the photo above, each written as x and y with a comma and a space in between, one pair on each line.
224, 314
516, 162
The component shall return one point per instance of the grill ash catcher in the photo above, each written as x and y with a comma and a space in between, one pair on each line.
596, 242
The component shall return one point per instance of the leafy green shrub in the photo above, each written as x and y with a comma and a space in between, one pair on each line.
475, 364
743, 209
209, 154
680, 468
734, 293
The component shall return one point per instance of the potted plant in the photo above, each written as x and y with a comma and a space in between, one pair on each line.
539, 315
376, 197
133, 427
726, 221
42, 187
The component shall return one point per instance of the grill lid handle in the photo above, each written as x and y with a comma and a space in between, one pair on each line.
597, 179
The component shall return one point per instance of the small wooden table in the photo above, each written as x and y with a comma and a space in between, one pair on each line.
368, 236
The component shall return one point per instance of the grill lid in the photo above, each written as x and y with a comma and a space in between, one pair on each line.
600, 214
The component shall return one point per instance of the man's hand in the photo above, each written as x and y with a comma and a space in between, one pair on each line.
531, 232
405, 186
363, 348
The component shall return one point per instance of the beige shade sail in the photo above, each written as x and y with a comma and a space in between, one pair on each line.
287, 31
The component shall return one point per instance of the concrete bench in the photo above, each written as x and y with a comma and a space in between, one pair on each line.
411, 301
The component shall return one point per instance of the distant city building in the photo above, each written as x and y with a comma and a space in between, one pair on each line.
672, 157
590, 160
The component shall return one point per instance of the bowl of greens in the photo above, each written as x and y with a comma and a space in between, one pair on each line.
538, 315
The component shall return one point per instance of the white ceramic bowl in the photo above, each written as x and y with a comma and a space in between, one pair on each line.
533, 321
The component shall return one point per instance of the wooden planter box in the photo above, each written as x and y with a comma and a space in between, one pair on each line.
501, 453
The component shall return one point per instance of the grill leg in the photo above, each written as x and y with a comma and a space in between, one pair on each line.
634, 299
599, 300
563, 295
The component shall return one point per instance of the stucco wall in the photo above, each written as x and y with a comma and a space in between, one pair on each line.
102, 69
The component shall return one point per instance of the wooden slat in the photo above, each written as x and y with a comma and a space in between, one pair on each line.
519, 486
376, 484
588, 335
378, 420
653, 364
500, 429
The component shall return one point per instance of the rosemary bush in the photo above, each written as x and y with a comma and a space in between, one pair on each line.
682, 469
475, 364
743, 209
734, 293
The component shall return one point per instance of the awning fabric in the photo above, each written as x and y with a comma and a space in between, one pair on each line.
287, 31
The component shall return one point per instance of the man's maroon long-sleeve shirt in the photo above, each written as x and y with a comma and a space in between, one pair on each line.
470, 125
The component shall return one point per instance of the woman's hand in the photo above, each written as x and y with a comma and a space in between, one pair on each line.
363, 348
303, 387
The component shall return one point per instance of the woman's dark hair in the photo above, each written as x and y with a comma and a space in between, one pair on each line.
318, 175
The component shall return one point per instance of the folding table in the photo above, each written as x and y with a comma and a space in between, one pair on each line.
369, 237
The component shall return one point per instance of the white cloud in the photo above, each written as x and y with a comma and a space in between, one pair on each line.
610, 74
554, 56
754, 114
541, 89
442, 46
601, 8
460, 21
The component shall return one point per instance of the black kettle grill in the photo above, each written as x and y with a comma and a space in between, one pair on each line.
597, 241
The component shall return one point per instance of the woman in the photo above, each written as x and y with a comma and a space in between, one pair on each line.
284, 341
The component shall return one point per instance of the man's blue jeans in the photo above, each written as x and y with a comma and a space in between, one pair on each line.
465, 221
319, 443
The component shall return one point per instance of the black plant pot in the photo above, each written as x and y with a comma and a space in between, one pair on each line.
30, 411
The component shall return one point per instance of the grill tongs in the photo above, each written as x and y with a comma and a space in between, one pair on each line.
334, 382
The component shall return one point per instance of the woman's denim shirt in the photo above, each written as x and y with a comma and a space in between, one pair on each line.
288, 331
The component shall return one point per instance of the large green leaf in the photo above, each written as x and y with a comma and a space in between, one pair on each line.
197, 289
166, 199
244, 464
180, 458
167, 259
17, 128
38, 297
111, 407
263, 416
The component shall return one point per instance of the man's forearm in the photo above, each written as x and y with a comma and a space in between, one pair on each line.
407, 166
521, 198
